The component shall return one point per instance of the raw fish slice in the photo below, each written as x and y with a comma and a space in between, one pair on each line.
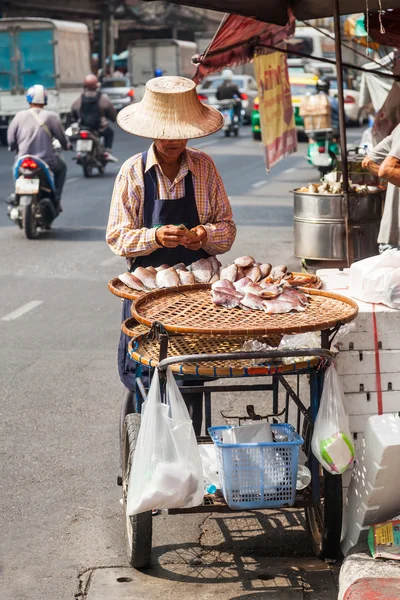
132, 282
185, 277
265, 269
278, 272
215, 265
252, 301
240, 274
289, 292
180, 267
254, 273
297, 303
239, 285
252, 288
245, 261
201, 270
147, 277
162, 267
167, 278
152, 270
270, 290
223, 284
220, 298
214, 278
229, 273
276, 306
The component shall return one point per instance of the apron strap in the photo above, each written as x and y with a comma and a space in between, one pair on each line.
150, 191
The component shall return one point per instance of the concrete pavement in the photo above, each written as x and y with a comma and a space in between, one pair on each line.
60, 391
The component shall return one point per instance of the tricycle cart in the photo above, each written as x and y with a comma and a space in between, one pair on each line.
191, 337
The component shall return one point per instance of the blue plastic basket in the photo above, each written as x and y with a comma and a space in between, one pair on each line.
259, 475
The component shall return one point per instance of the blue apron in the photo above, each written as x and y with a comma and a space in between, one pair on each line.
158, 212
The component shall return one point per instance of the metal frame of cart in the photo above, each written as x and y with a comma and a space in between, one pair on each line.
322, 500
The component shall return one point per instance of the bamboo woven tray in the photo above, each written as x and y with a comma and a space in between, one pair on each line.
146, 352
121, 290
188, 309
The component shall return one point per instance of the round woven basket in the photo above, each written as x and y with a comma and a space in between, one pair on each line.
189, 309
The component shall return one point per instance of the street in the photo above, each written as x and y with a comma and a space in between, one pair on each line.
62, 526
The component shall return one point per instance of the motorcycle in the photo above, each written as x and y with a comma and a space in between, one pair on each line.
232, 120
323, 149
89, 149
33, 205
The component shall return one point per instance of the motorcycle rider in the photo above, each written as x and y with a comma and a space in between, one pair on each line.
323, 86
32, 131
93, 109
229, 91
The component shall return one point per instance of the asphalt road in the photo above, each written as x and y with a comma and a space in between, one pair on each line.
59, 387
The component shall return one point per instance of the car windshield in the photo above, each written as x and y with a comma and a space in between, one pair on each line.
115, 83
301, 89
213, 84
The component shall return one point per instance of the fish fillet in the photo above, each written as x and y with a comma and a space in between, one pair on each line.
289, 292
252, 288
162, 267
278, 272
223, 284
201, 270
252, 301
152, 270
240, 274
276, 306
254, 273
292, 299
229, 273
265, 269
244, 261
167, 278
221, 298
215, 265
214, 278
132, 282
185, 277
180, 267
270, 290
239, 285
146, 277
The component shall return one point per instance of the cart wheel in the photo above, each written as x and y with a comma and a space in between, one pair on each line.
324, 521
138, 528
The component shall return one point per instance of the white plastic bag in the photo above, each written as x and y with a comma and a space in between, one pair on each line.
377, 279
166, 470
299, 341
332, 440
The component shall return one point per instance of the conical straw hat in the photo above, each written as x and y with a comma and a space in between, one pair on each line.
170, 110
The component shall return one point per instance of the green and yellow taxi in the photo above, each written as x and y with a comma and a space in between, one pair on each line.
301, 84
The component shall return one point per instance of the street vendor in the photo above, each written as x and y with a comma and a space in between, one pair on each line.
159, 190
384, 161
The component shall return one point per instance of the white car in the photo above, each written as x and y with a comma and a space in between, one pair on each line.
247, 85
355, 113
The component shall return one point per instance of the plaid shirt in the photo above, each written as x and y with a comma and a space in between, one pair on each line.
126, 235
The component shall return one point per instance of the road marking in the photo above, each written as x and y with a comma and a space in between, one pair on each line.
110, 261
22, 310
289, 170
260, 183
205, 144
72, 179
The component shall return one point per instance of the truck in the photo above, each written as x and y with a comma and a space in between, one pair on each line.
172, 57
53, 53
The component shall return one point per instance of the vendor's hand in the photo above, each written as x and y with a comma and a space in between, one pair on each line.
365, 162
170, 236
200, 241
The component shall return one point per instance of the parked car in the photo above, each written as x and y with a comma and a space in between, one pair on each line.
356, 114
247, 86
119, 90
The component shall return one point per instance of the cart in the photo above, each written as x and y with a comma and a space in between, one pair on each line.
206, 350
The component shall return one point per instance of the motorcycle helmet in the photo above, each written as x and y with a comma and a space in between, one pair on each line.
227, 75
323, 85
37, 95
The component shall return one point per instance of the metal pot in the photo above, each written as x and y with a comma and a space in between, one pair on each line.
319, 224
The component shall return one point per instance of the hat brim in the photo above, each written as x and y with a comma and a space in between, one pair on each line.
137, 119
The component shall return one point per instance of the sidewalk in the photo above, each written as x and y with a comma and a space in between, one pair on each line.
364, 578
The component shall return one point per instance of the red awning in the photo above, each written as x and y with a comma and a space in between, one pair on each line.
236, 41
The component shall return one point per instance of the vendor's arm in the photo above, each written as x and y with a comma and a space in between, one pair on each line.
377, 156
390, 168
125, 236
372, 166
218, 223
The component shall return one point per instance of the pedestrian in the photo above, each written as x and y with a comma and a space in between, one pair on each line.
384, 161
93, 109
157, 190
32, 131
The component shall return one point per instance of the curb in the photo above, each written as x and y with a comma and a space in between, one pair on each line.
365, 578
